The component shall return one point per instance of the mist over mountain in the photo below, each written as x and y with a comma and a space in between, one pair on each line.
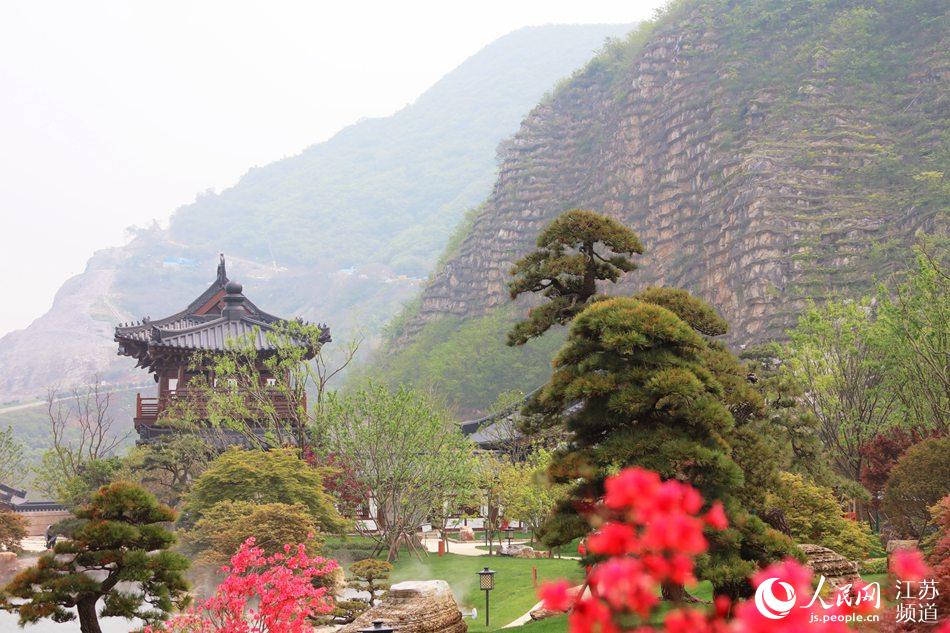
342, 233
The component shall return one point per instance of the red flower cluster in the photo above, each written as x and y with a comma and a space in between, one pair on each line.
653, 533
267, 594
908, 564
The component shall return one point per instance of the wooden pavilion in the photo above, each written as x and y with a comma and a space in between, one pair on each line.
172, 348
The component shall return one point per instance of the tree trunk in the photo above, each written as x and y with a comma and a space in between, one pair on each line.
88, 620
674, 592
590, 277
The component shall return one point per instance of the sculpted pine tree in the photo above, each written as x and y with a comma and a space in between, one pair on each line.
575, 251
656, 394
119, 539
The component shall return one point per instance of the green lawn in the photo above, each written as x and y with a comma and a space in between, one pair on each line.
514, 594
551, 625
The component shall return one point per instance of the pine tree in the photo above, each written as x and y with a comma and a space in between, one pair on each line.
656, 394
118, 539
578, 249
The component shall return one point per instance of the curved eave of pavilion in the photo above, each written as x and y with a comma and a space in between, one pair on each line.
199, 328
212, 336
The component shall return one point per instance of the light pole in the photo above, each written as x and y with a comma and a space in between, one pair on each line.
486, 582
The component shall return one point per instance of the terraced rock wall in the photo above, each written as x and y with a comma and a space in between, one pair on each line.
765, 154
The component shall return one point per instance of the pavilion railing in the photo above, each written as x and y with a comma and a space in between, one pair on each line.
149, 409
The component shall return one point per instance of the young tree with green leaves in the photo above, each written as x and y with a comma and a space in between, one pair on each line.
575, 251
404, 448
117, 553
490, 495
11, 458
372, 576
263, 399
527, 493
912, 337
654, 393
832, 354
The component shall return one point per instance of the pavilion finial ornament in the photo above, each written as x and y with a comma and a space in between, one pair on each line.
222, 272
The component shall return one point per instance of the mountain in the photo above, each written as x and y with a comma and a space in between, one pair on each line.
343, 232
766, 151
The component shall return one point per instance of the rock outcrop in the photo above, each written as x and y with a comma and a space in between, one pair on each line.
837, 569
895, 544
758, 167
415, 607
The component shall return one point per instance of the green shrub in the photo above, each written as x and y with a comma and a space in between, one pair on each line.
814, 516
874, 566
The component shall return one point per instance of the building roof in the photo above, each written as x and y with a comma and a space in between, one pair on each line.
15, 499
219, 314
8, 493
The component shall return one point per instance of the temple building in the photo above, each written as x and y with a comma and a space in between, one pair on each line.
172, 348
38, 514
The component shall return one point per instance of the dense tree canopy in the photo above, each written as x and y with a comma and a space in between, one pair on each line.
260, 477
655, 394
912, 336
575, 251
814, 515
832, 355
917, 482
225, 525
12, 530
401, 445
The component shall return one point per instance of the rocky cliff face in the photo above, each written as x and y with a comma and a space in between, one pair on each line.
764, 155
342, 233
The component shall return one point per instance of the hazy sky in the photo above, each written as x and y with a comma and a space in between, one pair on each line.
113, 114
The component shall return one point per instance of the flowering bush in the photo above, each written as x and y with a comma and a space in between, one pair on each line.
649, 532
272, 594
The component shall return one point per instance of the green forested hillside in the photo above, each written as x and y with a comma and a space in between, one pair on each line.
390, 190
767, 152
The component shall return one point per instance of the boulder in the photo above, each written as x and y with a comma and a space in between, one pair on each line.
837, 569
8, 567
896, 544
426, 606
541, 613
7, 561
466, 533
530, 552
511, 550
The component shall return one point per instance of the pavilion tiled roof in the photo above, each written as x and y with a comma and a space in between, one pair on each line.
221, 313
